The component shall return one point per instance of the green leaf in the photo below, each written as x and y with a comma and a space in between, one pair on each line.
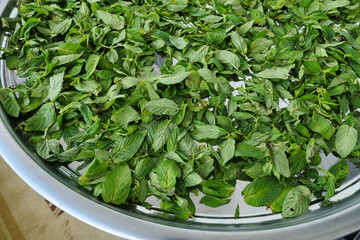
284, 93
255, 170
192, 179
212, 201
157, 44
313, 67
112, 55
162, 106
340, 170
42, 118
144, 167
179, 42
217, 188
125, 115
61, 27
84, 10
110, 19
345, 140
321, 125
167, 172
91, 64
275, 72
117, 184
330, 187
130, 146
297, 202
206, 74
56, 84
65, 59
297, 161
162, 134
329, 4
247, 150
208, 132
238, 42
94, 173
245, 27
230, 59
227, 150
174, 156
48, 148
216, 36
174, 78
310, 150
262, 191
280, 161
340, 79
237, 212
259, 45
187, 146
278, 203
212, 19
199, 54
9, 102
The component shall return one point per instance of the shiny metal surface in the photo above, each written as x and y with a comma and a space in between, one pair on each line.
55, 184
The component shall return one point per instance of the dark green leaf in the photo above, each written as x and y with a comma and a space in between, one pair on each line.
262, 191
117, 184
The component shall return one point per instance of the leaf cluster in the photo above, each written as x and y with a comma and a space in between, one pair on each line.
167, 98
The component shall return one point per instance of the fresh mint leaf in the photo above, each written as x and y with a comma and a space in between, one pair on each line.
167, 172
9, 102
116, 186
227, 150
212, 201
162, 106
297, 202
280, 161
175, 78
262, 191
43, 118
345, 140
125, 115
111, 19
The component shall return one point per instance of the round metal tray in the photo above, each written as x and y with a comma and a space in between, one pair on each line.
56, 184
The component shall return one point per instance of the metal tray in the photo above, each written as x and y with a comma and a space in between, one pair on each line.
56, 183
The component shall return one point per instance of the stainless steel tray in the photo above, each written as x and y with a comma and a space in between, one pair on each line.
55, 183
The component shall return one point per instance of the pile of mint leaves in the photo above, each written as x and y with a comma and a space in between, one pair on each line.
93, 95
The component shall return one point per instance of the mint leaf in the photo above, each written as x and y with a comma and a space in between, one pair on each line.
125, 115
321, 125
297, 202
262, 191
178, 42
56, 84
42, 119
280, 161
130, 146
110, 19
275, 72
175, 78
230, 59
212, 201
162, 106
227, 150
345, 140
167, 172
116, 186
9, 102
